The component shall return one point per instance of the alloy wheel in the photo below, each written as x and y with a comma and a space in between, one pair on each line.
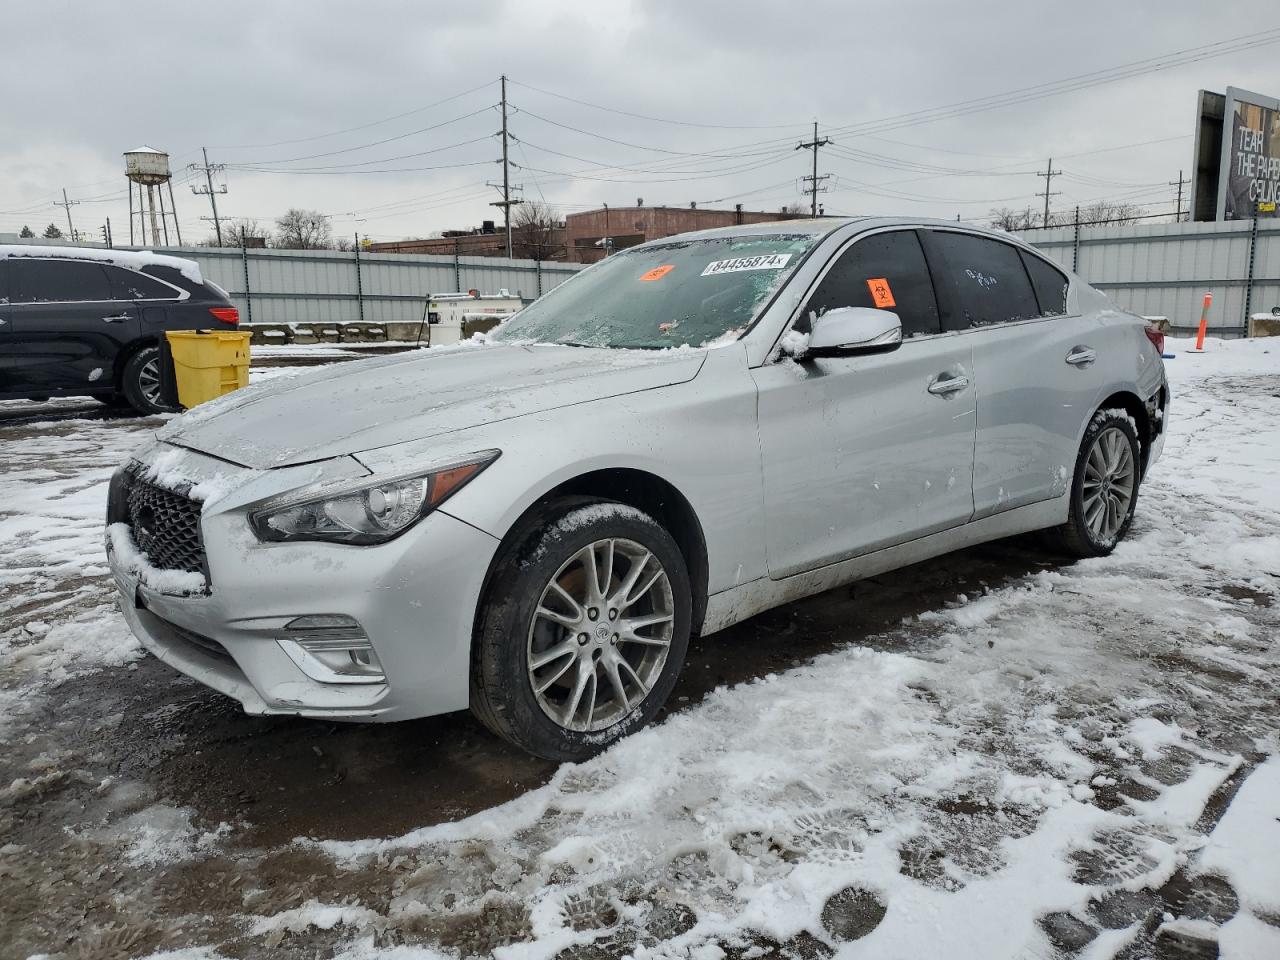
600, 635
1110, 482
149, 381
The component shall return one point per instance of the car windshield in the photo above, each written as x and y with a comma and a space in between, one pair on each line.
676, 293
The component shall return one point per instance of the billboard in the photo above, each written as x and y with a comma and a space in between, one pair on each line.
1237, 156
1250, 176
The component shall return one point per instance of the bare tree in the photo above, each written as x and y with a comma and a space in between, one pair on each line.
1103, 211
343, 245
794, 209
534, 232
236, 232
1006, 218
303, 230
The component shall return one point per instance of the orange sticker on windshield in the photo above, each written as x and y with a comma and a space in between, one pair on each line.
881, 295
657, 273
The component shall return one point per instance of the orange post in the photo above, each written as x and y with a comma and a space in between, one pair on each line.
1204, 321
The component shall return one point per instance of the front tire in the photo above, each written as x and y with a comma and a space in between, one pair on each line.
583, 631
140, 382
1104, 490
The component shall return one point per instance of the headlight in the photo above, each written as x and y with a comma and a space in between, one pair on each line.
372, 512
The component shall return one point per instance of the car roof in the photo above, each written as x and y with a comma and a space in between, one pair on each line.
133, 259
824, 226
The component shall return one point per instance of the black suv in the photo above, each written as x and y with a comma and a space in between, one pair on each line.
88, 322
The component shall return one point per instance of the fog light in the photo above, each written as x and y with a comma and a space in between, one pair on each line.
331, 648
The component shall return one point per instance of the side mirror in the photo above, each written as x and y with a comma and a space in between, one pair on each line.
847, 330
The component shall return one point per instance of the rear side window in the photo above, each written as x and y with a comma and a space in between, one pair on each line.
885, 270
1050, 285
132, 285
985, 280
56, 281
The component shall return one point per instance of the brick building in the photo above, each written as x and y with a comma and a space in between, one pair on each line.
578, 240
631, 226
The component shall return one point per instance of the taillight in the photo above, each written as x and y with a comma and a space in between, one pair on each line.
226, 314
1156, 336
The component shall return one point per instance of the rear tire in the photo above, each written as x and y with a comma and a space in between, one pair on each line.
140, 382
1104, 490
562, 669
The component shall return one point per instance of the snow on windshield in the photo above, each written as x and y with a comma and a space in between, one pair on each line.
679, 293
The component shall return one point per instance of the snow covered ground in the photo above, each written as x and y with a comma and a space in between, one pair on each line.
1079, 761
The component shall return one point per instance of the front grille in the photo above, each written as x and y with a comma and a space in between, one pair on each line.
165, 525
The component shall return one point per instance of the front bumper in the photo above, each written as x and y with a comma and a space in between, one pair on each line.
415, 597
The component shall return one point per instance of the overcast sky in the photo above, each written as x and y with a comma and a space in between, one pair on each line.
273, 90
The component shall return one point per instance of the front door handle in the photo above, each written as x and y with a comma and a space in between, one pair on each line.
944, 385
1081, 356
116, 319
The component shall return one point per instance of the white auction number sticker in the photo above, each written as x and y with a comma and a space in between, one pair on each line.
765, 261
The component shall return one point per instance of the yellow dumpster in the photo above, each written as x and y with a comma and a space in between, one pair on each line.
207, 364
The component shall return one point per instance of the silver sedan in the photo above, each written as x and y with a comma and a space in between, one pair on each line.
681, 436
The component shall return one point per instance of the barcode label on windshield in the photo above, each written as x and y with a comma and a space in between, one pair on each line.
766, 261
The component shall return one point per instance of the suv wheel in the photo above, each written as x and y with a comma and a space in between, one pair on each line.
583, 631
140, 382
1104, 491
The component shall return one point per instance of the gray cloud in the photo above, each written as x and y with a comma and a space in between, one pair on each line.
87, 81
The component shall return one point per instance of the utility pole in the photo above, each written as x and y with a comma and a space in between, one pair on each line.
506, 203
1181, 182
208, 170
814, 180
67, 205
1048, 180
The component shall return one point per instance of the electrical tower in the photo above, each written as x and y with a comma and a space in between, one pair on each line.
814, 180
506, 203
1180, 183
67, 205
209, 169
1048, 181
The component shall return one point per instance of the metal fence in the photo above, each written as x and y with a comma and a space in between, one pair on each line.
1165, 269
331, 286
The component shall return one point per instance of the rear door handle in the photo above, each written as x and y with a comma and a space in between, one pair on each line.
1081, 356
943, 385
116, 319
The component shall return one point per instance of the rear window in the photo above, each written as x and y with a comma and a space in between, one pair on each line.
56, 281
985, 280
1050, 285
132, 285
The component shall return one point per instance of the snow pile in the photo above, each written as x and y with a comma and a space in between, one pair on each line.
135, 260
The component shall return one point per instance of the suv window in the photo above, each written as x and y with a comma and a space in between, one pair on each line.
885, 270
132, 285
984, 279
1050, 285
45, 281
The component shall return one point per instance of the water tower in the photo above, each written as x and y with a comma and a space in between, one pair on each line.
148, 167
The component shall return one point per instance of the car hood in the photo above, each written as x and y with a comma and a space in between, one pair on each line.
365, 404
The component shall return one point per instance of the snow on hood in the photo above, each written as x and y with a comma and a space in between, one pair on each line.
366, 404
134, 259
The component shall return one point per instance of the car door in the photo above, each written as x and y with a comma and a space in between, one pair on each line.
862, 452
67, 328
1035, 365
7, 358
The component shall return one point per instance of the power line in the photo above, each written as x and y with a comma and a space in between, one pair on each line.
1180, 183
209, 170
363, 126
67, 205
506, 202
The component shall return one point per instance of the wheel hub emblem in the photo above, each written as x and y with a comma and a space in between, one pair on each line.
602, 632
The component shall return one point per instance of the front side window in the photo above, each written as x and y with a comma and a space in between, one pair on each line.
56, 281
885, 271
984, 279
667, 294
1050, 285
